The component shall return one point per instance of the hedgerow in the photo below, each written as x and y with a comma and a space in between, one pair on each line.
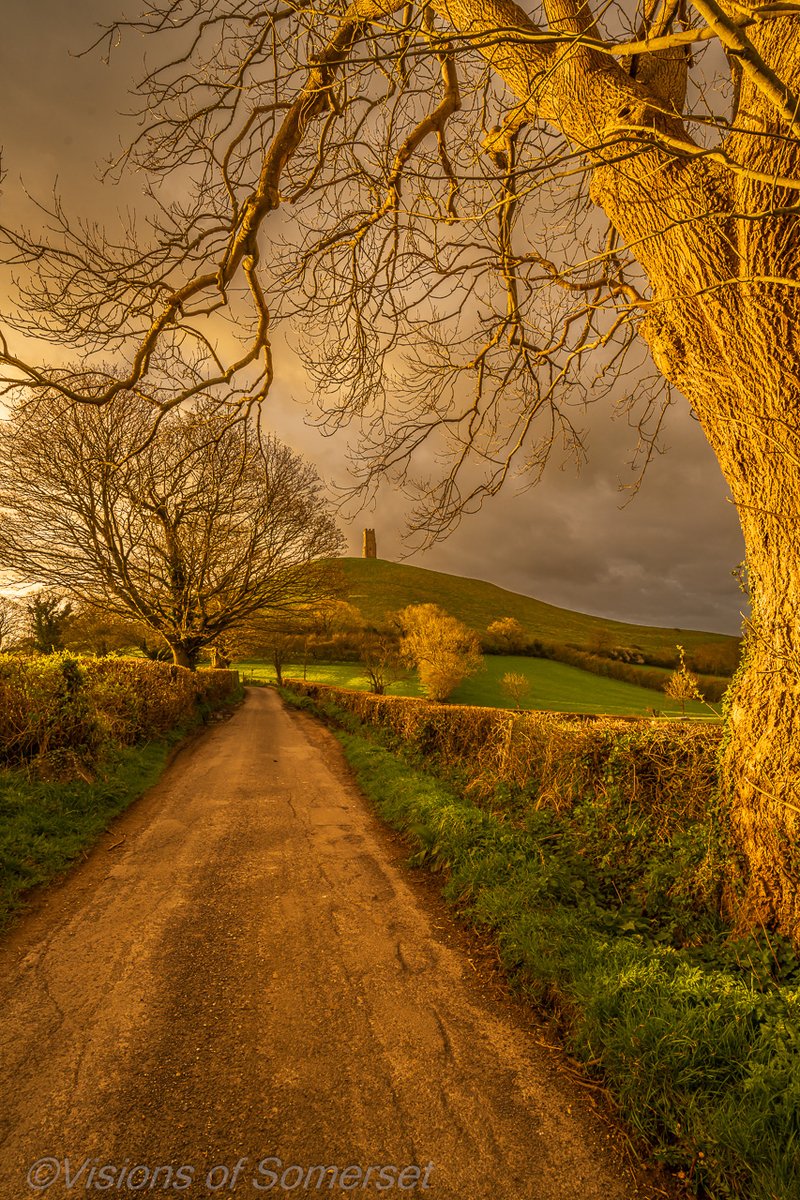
80, 739
664, 768
63, 705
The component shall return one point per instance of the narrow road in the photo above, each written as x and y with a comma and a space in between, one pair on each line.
250, 973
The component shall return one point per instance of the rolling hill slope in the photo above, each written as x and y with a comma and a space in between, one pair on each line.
377, 587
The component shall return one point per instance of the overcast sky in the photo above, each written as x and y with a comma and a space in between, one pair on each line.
665, 558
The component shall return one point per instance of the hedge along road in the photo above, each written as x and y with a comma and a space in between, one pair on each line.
245, 970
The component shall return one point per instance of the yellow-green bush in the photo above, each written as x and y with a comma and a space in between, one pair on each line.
65, 704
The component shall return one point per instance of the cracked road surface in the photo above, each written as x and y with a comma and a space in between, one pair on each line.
245, 968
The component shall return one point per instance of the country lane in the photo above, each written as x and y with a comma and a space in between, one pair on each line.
246, 969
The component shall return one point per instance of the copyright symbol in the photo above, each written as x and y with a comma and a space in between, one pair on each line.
44, 1172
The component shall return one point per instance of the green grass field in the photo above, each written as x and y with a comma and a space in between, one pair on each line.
377, 587
554, 687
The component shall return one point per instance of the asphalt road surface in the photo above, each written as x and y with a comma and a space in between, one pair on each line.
246, 970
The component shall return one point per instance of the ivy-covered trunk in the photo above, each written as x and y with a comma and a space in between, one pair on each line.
747, 399
761, 762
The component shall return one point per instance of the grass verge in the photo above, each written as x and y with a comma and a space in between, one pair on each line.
694, 1034
45, 825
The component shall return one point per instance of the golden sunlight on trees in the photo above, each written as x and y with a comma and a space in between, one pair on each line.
516, 686
507, 636
490, 212
682, 684
207, 523
379, 655
442, 648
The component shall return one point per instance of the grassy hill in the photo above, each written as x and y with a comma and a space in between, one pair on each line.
377, 587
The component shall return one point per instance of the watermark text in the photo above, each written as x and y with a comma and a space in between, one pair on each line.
255, 1175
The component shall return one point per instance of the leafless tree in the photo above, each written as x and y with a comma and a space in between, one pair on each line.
278, 637
93, 630
379, 654
11, 619
488, 211
205, 525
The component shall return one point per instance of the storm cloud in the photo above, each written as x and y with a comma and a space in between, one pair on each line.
664, 557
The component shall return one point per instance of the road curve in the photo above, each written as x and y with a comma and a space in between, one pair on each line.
244, 970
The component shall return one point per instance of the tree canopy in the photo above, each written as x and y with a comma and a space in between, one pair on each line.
442, 648
205, 524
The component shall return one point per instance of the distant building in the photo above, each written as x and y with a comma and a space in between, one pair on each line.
370, 549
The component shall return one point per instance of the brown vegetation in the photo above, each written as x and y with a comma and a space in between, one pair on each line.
668, 768
443, 650
65, 709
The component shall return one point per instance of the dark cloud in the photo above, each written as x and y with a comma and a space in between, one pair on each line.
665, 558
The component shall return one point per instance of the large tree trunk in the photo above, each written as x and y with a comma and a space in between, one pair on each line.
761, 760
182, 657
760, 457
722, 327
745, 389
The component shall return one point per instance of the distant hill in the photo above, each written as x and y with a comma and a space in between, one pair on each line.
377, 587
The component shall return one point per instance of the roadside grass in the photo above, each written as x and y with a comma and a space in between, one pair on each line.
694, 1033
554, 687
46, 824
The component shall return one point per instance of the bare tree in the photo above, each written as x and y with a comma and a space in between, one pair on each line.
93, 630
11, 621
279, 637
379, 655
487, 208
205, 525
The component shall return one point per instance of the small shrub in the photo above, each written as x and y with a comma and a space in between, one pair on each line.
516, 687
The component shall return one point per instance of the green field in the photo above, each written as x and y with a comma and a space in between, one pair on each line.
377, 587
554, 687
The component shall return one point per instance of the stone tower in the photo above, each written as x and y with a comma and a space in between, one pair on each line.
370, 549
